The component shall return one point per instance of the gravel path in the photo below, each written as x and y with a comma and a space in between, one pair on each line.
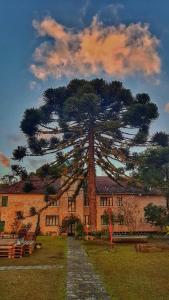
82, 282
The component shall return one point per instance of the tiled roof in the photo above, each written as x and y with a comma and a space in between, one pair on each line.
104, 185
39, 185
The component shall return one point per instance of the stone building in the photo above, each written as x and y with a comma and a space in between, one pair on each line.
18, 207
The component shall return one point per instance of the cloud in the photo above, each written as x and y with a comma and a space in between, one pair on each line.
167, 107
110, 13
14, 138
35, 164
114, 50
33, 85
84, 8
4, 160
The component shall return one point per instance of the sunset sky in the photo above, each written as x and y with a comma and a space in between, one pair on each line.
47, 43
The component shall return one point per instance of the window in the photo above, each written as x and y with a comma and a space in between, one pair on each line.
119, 201
86, 220
71, 204
54, 202
106, 201
52, 220
103, 220
120, 219
86, 200
4, 200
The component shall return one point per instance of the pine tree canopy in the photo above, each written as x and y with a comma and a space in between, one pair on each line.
87, 120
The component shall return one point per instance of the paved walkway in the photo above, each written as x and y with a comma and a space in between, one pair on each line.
82, 282
36, 267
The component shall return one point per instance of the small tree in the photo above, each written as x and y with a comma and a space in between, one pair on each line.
156, 215
129, 212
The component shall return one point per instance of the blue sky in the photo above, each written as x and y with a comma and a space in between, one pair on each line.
21, 89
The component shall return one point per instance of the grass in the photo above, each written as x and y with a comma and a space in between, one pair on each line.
128, 275
36, 284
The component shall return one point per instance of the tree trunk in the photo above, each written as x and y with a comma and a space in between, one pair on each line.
37, 229
91, 184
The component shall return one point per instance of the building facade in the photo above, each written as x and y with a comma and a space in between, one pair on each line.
18, 208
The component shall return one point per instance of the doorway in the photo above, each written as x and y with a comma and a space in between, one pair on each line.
69, 225
71, 229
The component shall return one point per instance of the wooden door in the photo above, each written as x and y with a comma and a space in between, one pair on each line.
71, 229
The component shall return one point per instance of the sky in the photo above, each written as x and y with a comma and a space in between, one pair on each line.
47, 43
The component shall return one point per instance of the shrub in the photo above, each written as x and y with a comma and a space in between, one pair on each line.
79, 230
97, 234
156, 215
105, 235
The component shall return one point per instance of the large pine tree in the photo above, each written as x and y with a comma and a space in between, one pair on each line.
84, 124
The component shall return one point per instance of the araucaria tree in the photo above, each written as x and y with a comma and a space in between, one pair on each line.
84, 124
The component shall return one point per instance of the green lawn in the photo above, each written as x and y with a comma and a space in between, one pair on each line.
129, 275
36, 284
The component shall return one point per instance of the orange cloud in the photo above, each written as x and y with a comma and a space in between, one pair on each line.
167, 107
116, 51
4, 161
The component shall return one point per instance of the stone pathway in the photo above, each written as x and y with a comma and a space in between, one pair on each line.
37, 267
82, 282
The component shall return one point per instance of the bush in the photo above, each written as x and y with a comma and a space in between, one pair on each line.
79, 230
156, 215
97, 234
105, 235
